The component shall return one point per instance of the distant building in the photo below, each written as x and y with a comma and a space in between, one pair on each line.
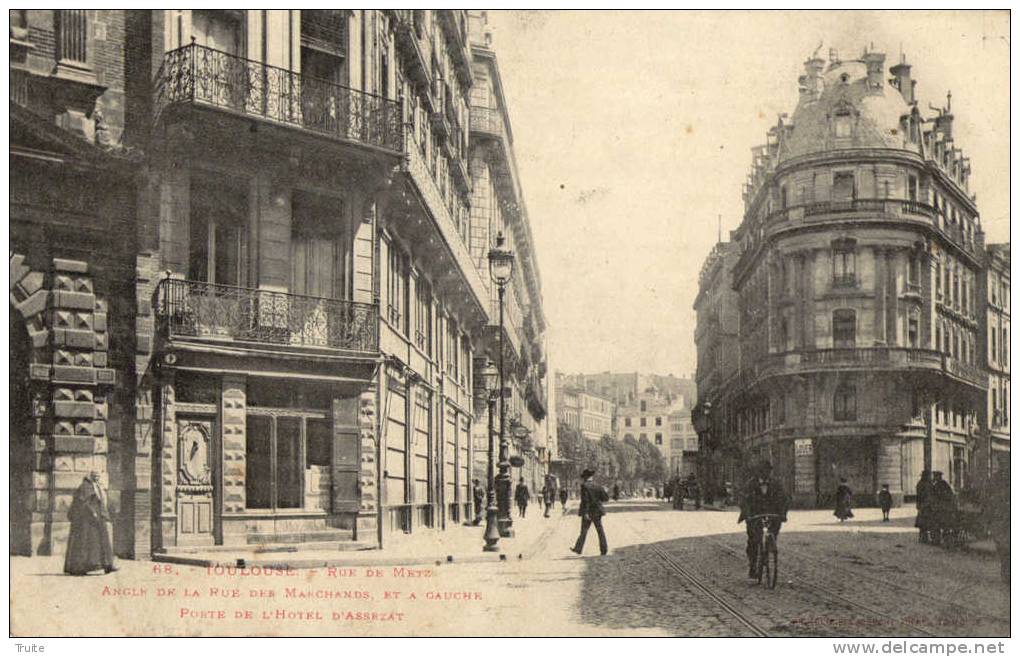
996, 298
624, 387
586, 412
648, 417
683, 443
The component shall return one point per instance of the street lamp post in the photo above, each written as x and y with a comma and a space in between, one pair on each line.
490, 377
501, 267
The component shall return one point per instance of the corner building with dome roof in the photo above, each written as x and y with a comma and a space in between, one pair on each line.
855, 296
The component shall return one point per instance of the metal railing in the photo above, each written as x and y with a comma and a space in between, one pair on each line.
844, 280
966, 371
205, 76
487, 120
225, 312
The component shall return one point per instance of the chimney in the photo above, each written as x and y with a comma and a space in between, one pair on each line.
811, 81
902, 80
875, 61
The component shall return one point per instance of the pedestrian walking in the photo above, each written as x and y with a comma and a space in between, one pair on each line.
89, 544
844, 501
478, 497
885, 501
593, 498
549, 495
923, 522
563, 498
616, 492
943, 503
521, 496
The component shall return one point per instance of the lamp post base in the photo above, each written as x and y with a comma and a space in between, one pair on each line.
492, 534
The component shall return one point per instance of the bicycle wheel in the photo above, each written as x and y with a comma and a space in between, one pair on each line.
763, 564
771, 561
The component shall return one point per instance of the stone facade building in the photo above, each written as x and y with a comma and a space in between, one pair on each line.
995, 294
648, 417
592, 415
245, 279
853, 295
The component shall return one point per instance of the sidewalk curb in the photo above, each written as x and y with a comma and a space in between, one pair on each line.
522, 551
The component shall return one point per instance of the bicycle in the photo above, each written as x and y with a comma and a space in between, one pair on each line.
767, 561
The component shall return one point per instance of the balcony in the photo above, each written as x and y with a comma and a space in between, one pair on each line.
200, 76
844, 280
487, 122
238, 315
968, 372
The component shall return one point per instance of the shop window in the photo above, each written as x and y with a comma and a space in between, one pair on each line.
279, 445
844, 406
844, 328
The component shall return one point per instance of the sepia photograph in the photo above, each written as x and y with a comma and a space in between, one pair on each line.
511, 323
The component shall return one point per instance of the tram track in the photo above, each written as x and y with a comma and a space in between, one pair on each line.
697, 584
815, 587
949, 604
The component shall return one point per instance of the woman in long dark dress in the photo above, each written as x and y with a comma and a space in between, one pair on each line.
89, 545
844, 501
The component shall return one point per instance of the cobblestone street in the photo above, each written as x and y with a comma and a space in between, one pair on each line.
864, 578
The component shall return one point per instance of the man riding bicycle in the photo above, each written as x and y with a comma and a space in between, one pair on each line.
762, 495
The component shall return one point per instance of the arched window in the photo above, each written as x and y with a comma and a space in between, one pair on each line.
844, 403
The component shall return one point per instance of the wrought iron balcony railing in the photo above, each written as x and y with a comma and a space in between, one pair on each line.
204, 76
195, 309
844, 280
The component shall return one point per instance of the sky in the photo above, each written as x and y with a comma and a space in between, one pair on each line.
633, 132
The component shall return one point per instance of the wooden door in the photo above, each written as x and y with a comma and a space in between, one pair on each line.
195, 446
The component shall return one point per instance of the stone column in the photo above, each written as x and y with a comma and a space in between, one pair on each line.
166, 531
234, 443
368, 512
804, 494
888, 465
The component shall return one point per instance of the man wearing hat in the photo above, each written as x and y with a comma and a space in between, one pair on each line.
761, 495
593, 498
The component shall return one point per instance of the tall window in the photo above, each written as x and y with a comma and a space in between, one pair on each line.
844, 328
318, 247
658, 421
423, 317
217, 232
626, 421
844, 263
658, 439
452, 349
912, 189
72, 25
843, 124
912, 330
844, 403
644, 422
396, 291
1005, 347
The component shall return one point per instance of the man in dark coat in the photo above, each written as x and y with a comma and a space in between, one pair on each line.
616, 492
844, 501
943, 507
924, 507
478, 497
593, 498
761, 494
522, 496
549, 494
885, 501
564, 494
89, 545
